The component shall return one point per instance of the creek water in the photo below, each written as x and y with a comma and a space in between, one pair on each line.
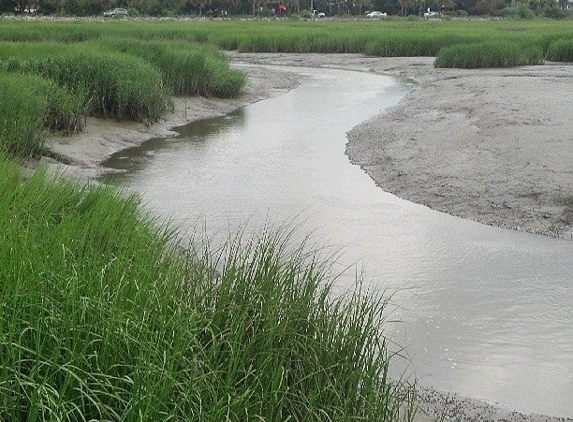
484, 312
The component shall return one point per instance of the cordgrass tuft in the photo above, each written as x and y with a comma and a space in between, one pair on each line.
560, 51
112, 84
105, 317
187, 68
488, 55
30, 107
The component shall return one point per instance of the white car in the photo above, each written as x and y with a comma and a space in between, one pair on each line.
376, 14
118, 11
430, 15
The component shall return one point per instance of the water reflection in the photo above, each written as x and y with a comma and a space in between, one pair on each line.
135, 159
485, 310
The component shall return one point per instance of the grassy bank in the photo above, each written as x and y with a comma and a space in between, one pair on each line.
52, 83
104, 317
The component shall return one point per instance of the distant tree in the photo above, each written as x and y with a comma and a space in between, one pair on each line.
230, 5
392, 7
150, 7
359, 5
539, 5
448, 5
255, 4
293, 6
405, 6
485, 7
8, 6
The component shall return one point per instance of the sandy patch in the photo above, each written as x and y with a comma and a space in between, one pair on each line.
495, 146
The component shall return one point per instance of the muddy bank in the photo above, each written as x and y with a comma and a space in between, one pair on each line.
80, 155
490, 145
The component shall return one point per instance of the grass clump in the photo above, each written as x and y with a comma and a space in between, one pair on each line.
560, 50
29, 107
488, 55
111, 84
104, 317
187, 68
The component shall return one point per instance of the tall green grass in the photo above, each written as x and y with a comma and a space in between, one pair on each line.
187, 68
560, 50
104, 317
487, 55
112, 84
391, 37
29, 107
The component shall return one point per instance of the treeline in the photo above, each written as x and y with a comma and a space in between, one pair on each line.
524, 8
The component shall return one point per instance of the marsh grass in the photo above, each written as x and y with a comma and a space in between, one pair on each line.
112, 84
30, 107
560, 50
22, 115
404, 37
104, 317
187, 68
488, 55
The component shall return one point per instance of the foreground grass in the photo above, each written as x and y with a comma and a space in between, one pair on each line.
104, 317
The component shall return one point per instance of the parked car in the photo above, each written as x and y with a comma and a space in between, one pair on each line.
430, 15
376, 14
117, 12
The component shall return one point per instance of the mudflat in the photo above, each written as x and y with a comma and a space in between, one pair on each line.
490, 145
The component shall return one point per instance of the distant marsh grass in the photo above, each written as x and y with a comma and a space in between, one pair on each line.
488, 55
391, 37
104, 316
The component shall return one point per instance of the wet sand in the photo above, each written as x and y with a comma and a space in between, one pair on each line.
494, 146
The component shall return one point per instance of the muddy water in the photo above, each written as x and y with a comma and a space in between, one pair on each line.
486, 313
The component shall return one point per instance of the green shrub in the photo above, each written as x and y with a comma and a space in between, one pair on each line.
524, 12
560, 51
490, 54
105, 317
554, 13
